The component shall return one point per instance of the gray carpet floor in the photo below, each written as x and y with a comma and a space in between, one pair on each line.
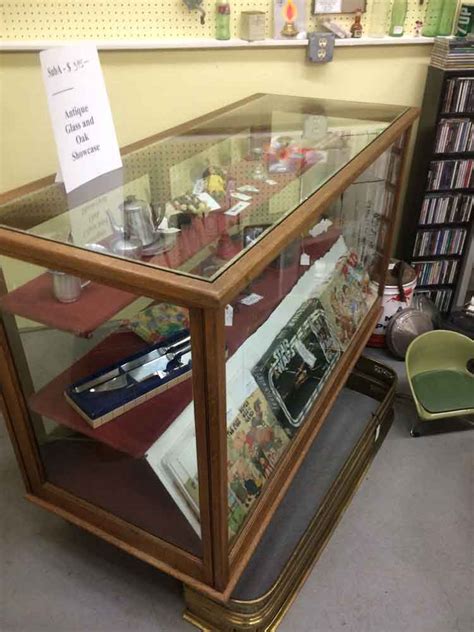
401, 559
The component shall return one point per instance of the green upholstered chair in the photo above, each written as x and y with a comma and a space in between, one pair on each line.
440, 371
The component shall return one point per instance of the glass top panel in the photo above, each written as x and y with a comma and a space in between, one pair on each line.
189, 202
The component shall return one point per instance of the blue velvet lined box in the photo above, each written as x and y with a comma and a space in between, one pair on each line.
98, 408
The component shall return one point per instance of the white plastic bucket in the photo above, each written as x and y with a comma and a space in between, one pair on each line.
392, 301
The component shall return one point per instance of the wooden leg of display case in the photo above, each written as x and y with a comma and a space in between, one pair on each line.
264, 613
18, 352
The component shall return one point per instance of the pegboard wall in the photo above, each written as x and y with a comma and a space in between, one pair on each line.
138, 20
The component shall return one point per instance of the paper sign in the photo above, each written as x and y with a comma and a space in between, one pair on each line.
90, 222
209, 201
80, 113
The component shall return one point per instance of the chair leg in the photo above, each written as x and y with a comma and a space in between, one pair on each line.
439, 426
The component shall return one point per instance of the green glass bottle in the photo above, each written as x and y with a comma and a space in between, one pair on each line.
397, 21
446, 22
432, 18
222, 20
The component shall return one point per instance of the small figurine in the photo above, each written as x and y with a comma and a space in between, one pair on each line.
214, 178
418, 27
356, 28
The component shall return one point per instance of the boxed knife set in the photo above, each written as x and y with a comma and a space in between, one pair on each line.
119, 387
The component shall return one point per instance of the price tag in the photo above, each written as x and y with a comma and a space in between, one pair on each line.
272, 183
237, 209
241, 196
251, 299
248, 188
305, 353
304, 259
80, 113
229, 315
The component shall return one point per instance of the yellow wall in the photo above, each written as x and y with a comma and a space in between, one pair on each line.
152, 90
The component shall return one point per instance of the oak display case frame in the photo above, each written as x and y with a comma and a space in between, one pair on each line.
216, 572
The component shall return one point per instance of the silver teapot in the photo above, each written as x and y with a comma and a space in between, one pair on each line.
140, 221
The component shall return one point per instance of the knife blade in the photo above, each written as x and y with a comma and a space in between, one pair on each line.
91, 385
158, 367
153, 368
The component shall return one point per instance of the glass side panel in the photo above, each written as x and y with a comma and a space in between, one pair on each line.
105, 375
288, 331
184, 203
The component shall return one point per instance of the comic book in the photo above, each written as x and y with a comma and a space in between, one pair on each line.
255, 441
347, 298
296, 365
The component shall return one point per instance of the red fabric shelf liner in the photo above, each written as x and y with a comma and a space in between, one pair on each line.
35, 300
134, 431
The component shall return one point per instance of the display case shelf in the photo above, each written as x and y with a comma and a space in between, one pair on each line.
35, 300
196, 43
132, 432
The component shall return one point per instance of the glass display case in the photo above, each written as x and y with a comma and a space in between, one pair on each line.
175, 333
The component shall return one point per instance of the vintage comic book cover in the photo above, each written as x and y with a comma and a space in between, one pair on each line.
255, 441
294, 368
347, 297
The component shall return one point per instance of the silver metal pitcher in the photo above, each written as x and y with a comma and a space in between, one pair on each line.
140, 221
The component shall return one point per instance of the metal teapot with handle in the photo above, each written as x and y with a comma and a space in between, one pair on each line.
140, 221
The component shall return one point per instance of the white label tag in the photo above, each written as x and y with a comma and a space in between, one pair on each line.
251, 299
237, 209
80, 113
241, 196
305, 354
398, 30
304, 259
272, 183
229, 315
248, 188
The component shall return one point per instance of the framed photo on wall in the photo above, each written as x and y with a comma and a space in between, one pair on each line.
338, 6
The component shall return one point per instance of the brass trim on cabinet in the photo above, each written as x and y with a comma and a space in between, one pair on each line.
266, 612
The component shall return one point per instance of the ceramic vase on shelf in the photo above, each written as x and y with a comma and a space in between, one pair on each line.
222, 20
397, 20
379, 11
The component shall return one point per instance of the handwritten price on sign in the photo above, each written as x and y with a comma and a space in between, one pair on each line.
69, 66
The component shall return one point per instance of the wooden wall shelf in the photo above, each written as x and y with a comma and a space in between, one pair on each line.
193, 44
